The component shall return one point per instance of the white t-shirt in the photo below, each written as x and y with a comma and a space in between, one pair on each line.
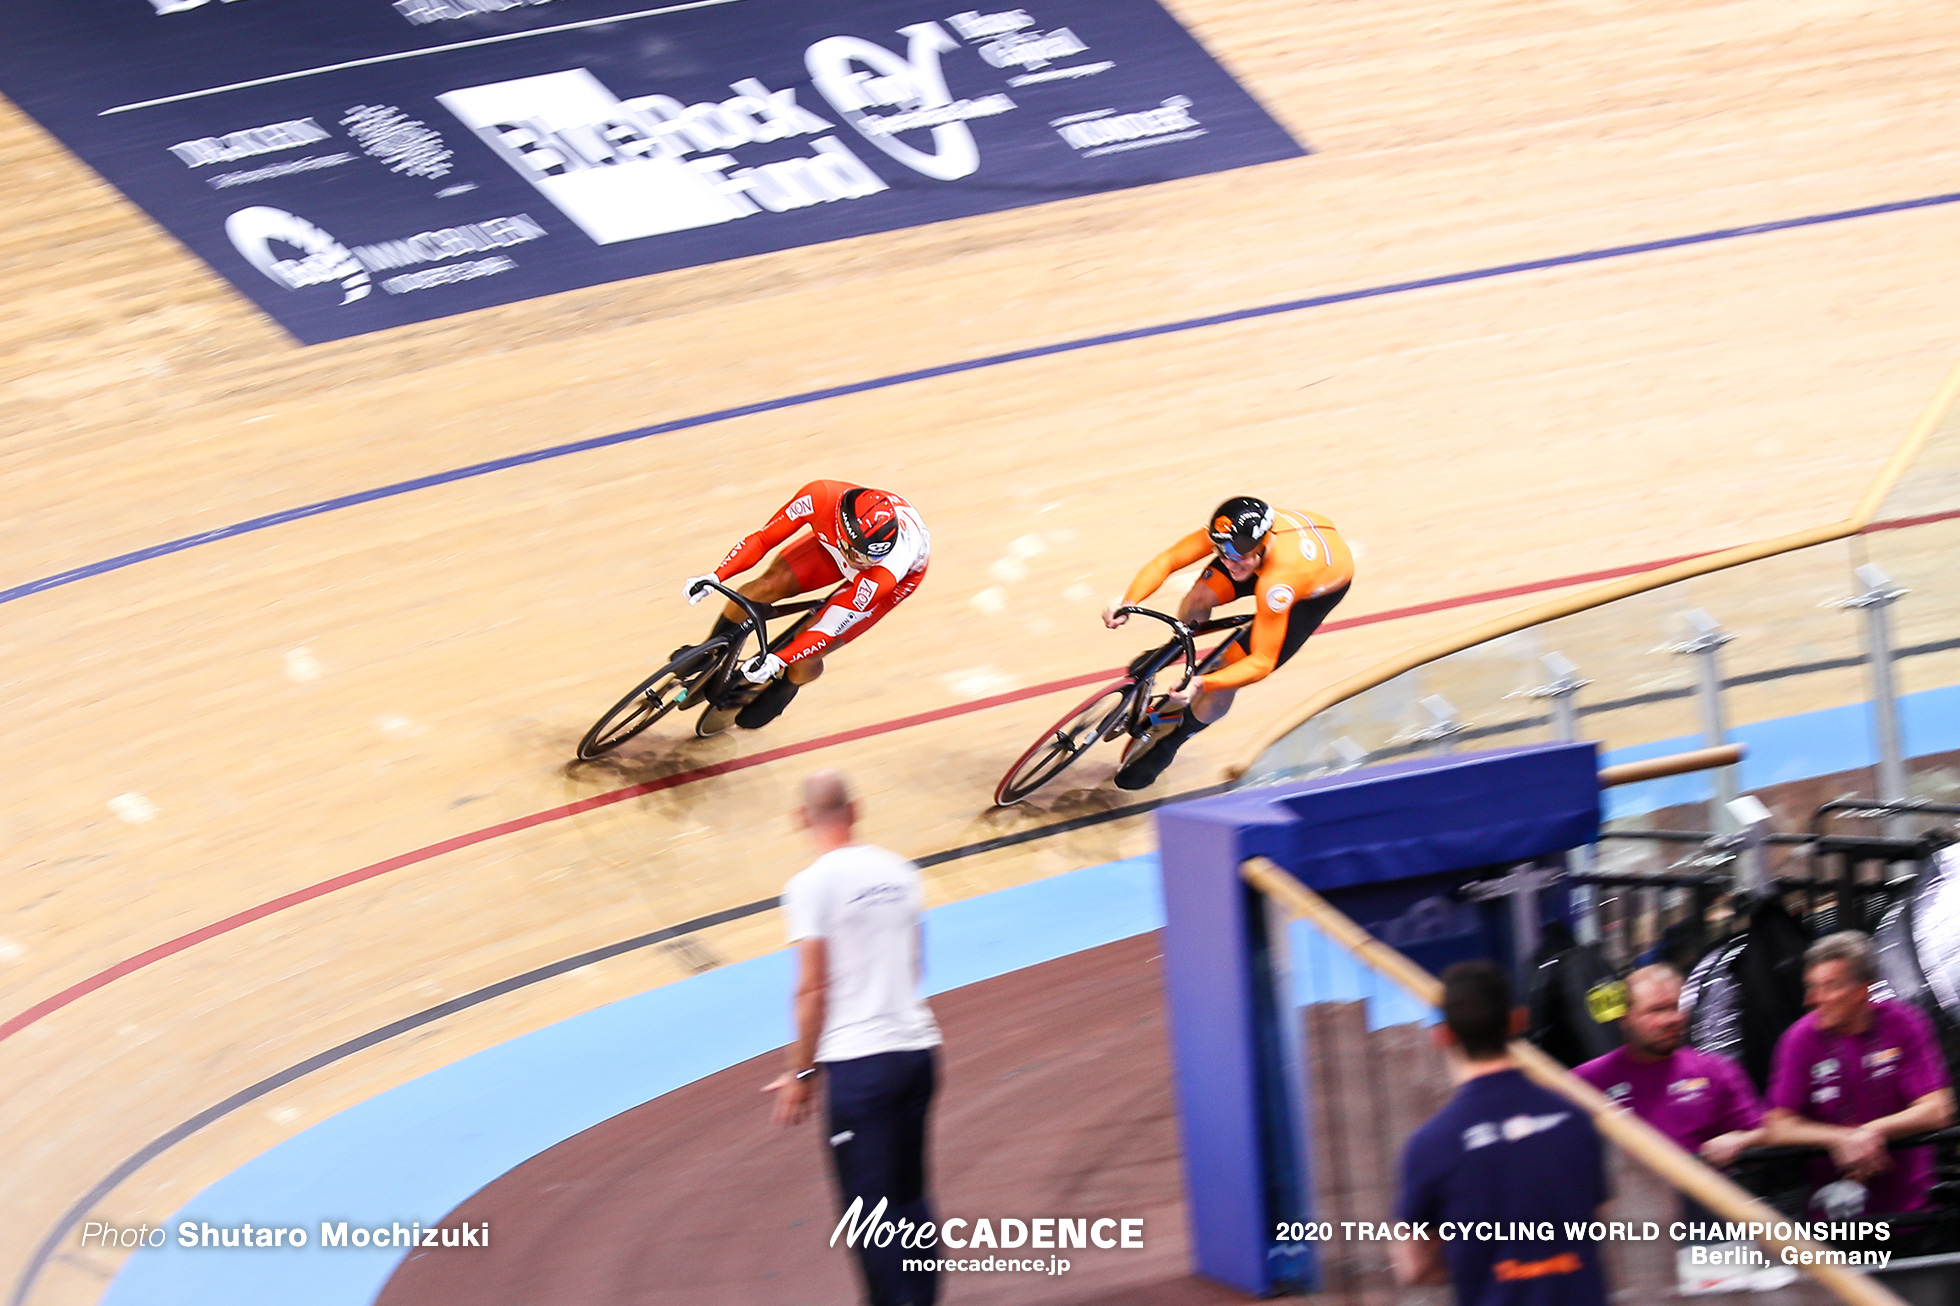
864, 903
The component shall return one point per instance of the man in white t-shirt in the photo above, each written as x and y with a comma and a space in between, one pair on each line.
863, 1028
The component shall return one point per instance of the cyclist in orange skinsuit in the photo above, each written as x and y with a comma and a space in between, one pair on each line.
1294, 563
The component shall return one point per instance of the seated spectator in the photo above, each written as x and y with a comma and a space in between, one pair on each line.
1703, 1102
1855, 1074
1504, 1151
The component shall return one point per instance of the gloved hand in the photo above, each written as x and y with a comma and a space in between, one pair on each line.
698, 588
762, 668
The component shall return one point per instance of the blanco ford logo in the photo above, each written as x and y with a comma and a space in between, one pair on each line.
627, 169
650, 164
915, 85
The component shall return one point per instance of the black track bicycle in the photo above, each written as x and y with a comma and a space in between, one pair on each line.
707, 675
1121, 709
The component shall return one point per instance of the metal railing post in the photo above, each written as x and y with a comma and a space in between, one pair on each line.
1447, 727
1561, 691
1347, 754
1706, 647
1753, 820
1880, 594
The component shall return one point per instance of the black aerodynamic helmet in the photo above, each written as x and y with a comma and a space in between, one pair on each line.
1240, 525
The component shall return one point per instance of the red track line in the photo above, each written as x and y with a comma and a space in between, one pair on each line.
497, 831
1900, 523
48, 1006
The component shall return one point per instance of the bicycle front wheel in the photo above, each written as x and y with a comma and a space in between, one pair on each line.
1063, 742
660, 693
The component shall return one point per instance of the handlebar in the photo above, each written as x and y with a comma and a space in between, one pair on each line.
1178, 628
755, 613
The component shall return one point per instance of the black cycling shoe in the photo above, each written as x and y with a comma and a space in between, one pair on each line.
1143, 771
768, 705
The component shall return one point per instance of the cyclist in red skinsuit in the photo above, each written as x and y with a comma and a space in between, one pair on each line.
1297, 566
870, 543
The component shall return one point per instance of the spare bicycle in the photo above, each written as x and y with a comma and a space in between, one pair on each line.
1125, 708
707, 675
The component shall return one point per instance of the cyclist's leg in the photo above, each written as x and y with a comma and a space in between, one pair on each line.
1207, 705
798, 569
843, 622
1211, 588
1206, 708
1301, 623
813, 569
840, 619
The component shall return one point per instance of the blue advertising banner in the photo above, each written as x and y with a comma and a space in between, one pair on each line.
353, 165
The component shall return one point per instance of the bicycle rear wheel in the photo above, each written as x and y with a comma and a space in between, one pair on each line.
1063, 742
660, 693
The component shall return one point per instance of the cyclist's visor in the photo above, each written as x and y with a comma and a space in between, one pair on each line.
1240, 529
1229, 551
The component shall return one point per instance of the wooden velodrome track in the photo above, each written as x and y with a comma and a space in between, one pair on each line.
241, 722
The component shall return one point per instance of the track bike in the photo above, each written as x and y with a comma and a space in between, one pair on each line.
707, 675
1122, 709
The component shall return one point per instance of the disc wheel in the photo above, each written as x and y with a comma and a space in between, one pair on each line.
717, 719
1095, 719
660, 693
737, 695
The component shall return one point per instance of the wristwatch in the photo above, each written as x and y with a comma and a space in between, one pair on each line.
808, 1072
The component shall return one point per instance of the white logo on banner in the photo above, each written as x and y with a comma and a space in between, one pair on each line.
405, 145
178, 6
914, 85
649, 165
1104, 132
253, 232
233, 146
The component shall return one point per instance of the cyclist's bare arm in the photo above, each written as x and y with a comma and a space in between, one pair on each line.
1208, 591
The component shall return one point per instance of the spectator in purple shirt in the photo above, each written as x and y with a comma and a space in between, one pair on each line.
1701, 1101
1854, 1074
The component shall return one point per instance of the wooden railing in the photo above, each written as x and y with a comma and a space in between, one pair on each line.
1638, 1141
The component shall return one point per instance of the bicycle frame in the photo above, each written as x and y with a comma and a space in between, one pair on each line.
1183, 644
757, 614
1057, 748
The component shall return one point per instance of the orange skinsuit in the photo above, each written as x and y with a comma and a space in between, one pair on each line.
1305, 559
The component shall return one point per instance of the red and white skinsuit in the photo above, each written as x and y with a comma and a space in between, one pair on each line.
819, 560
